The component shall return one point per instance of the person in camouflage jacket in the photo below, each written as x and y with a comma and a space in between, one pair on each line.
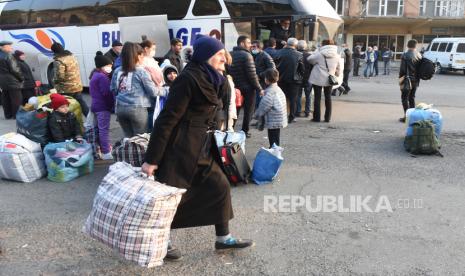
66, 76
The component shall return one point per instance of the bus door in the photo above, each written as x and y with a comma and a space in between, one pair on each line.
231, 29
153, 27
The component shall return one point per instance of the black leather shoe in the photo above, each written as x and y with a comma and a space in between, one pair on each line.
173, 254
248, 135
233, 243
402, 120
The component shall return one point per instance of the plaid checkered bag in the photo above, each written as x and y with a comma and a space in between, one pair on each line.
133, 215
131, 150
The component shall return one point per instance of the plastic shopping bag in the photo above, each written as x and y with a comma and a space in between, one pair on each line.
267, 164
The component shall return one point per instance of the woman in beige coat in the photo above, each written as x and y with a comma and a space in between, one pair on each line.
325, 62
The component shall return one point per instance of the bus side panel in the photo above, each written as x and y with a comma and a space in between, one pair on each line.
187, 30
89, 46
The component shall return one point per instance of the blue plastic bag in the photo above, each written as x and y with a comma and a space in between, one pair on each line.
266, 165
418, 114
68, 160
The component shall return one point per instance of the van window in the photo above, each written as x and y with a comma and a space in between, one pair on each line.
461, 48
206, 7
15, 15
435, 46
442, 47
449, 47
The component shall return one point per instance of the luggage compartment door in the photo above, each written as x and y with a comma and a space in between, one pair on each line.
153, 27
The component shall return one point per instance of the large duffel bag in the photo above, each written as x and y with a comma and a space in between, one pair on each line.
133, 214
21, 159
423, 113
33, 125
68, 160
131, 150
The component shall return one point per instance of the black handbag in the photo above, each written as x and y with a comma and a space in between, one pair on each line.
331, 78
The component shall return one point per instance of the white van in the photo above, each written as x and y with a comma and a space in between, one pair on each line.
448, 53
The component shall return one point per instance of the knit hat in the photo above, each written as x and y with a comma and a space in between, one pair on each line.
116, 43
205, 47
18, 53
58, 100
57, 48
101, 60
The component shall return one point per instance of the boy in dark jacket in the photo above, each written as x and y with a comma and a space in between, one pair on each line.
63, 125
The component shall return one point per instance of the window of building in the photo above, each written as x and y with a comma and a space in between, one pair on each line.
461, 48
445, 8
206, 7
442, 47
385, 7
449, 47
338, 5
435, 46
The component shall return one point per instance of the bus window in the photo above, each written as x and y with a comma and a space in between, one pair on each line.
449, 47
254, 8
442, 47
80, 13
206, 7
232, 30
45, 13
112, 9
435, 46
15, 15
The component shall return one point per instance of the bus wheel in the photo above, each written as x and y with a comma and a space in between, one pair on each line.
50, 76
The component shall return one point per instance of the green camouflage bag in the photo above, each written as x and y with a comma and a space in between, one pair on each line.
423, 139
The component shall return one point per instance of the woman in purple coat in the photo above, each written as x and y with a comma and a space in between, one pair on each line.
103, 101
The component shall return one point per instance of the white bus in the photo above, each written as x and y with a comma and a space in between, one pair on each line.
87, 26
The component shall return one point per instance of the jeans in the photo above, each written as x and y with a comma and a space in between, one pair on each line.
132, 119
387, 67
11, 101
328, 104
249, 108
356, 66
345, 80
408, 98
308, 99
273, 136
291, 90
80, 100
375, 67
103, 124
368, 70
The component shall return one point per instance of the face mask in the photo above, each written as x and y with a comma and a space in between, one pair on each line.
107, 70
254, 51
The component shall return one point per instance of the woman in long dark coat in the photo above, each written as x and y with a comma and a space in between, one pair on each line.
29, 83
182, 152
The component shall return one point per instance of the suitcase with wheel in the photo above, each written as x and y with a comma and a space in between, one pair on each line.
234, 162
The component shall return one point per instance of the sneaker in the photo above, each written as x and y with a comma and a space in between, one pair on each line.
107, 156
307, 115
173, 254
233, 243
402, 120
248, 135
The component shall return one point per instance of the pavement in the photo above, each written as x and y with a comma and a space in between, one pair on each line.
360, 153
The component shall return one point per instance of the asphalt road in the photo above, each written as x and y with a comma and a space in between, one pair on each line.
359, 153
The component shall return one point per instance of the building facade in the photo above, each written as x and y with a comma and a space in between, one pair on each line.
391, 23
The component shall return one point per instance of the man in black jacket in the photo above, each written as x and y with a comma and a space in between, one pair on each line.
245, 78
408, 72
115, 51
29, 82
357, 57
174, 54
11, 81
281, 33
291, 70
306, 86
263, 60
347, 67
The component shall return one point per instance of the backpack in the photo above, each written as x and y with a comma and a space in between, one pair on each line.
423, 140
426, 69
